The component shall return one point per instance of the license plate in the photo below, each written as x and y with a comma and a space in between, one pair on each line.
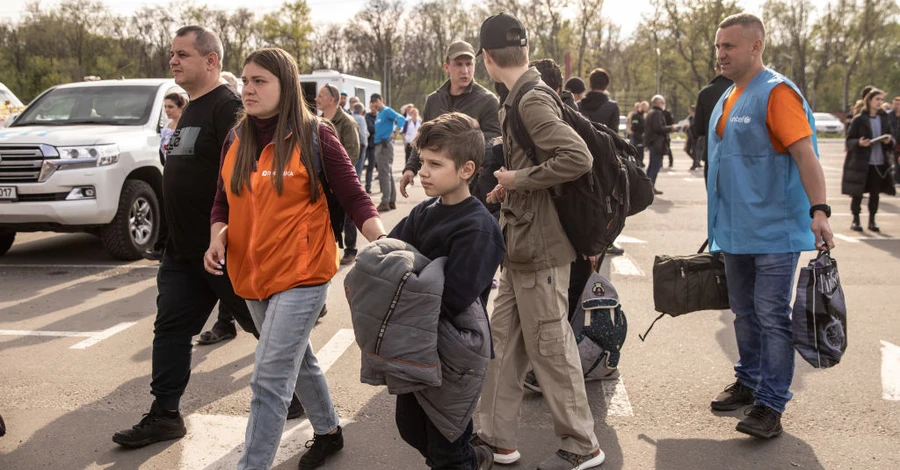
8, 193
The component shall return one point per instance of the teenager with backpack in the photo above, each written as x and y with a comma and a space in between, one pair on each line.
529, 324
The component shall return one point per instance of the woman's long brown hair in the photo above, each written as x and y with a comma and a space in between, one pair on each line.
294, 121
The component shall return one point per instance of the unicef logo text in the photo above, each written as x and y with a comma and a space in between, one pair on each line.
740, 119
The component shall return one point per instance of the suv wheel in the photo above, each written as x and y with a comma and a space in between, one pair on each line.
6, 241
136, 225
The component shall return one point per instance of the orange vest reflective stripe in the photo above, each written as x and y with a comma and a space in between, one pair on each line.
276, 242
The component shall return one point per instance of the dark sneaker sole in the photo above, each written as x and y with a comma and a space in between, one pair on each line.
758, 432
122, 441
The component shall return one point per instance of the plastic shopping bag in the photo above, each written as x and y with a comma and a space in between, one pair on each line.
820, 313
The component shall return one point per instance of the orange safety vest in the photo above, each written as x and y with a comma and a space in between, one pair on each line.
275, 243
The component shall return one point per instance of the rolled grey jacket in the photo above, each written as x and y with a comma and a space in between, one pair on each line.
407, 343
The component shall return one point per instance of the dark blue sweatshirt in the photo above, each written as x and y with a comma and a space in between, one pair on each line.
468, 235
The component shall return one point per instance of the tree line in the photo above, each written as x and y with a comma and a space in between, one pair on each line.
830, 49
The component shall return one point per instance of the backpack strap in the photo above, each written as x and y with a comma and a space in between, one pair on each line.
317, 155
514, 119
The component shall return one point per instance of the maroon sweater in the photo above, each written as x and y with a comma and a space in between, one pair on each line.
340, 172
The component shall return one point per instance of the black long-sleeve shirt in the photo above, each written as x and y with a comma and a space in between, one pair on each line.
468, 236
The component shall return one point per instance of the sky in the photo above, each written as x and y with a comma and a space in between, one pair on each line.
623, 12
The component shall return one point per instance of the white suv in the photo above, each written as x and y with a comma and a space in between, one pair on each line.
85, 157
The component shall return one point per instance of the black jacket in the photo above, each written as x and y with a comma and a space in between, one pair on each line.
370, 124
856, 163
706, 101
656, 131
597, 107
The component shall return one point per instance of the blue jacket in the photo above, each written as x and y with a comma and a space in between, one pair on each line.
385, 122
756, 202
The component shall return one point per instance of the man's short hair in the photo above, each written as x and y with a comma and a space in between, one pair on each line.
657, 98
575, 85
746, 20
333, 91
375, 97
511, 56
550, 72
358, 108
456, 135
205, 41
599, 79
896, 98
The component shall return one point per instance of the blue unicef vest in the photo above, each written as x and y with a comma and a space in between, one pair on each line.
756, 202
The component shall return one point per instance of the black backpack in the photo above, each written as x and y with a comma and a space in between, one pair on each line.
592, 208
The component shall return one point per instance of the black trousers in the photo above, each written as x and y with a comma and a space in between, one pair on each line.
187, 295
370, 166
418, 431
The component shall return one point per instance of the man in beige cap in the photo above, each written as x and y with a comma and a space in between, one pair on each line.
461, 94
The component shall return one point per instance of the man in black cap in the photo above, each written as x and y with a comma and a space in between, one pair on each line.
461, 94
529, 324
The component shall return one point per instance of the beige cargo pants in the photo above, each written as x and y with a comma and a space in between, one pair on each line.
530, 326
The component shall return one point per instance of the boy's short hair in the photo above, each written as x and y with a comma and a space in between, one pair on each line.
550, 72
599, 79
455, 134
511, 56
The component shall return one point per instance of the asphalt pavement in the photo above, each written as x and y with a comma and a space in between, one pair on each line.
76, 331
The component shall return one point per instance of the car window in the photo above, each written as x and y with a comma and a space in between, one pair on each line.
112, 105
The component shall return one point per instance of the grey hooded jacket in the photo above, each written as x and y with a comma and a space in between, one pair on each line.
407, 344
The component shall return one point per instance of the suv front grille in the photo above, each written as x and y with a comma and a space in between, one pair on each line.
20, 164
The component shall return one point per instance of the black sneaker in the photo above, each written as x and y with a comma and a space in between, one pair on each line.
615, 250
156, 426
295, 410
762, 422
531, 382
733, 397
485, 458
320, 447
2, 427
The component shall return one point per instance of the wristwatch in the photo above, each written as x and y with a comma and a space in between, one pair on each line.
820, 207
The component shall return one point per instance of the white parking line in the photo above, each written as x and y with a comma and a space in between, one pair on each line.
846, 238
627, 239
217, 441
617, 403
624, 266
93, 337
890, 371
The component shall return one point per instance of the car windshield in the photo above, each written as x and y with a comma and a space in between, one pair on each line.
109, 105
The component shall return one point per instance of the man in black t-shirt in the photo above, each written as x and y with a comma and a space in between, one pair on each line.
187, 293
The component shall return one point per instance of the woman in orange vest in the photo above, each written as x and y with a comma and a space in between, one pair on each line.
271, 213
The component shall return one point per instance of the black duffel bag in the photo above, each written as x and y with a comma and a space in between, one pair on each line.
685, 284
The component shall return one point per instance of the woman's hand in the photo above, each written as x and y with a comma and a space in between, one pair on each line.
864, 142
214, 258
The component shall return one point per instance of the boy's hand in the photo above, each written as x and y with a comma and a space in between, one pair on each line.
505, 178
408, 178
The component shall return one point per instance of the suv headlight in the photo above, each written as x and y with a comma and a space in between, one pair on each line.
102, 155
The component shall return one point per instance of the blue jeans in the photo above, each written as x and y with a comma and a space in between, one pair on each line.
285, 363
759, 291
361, 162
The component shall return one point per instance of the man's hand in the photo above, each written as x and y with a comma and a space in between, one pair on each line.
496, 196
505, 178
821, 228
408, 178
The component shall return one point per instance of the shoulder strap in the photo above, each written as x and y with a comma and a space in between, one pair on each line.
515, 121
317, 154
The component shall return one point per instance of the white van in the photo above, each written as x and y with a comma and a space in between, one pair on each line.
10, 105
362, 88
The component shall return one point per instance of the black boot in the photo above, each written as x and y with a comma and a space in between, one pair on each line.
855, 226
872, 225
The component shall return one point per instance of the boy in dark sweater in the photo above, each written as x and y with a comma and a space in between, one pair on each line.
454, 224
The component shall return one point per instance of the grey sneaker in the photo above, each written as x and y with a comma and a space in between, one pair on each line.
563, 460
498, 457
485, 458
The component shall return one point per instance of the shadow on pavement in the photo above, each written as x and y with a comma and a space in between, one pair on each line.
785, 451
55, 442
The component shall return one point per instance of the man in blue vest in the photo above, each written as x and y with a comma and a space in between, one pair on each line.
766, 205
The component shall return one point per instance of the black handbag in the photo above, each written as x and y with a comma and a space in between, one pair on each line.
685, 284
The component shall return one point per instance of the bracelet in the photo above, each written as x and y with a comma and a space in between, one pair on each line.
383, 235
